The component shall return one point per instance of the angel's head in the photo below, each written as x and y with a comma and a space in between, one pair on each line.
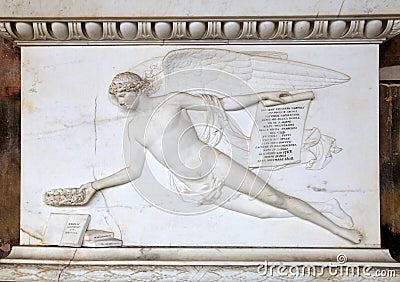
127, 86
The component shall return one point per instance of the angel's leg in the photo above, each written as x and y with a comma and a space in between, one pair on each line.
240, 179
244, 204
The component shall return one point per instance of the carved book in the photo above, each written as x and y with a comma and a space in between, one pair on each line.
97, 235
66, 229
111, 242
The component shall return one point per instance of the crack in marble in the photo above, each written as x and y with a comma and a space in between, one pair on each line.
120, 206
95, 135
93, 173
108, 210
65, 266
316, 8
66, 126
341, 7
31, 235
327, 190
95, 125
317, 189
145, 207
347, 191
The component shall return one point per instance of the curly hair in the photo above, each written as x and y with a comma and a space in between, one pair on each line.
127, 82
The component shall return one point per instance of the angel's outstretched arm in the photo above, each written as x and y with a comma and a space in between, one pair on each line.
119, 178
234, 103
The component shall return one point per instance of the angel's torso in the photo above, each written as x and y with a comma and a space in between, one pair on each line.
168, 133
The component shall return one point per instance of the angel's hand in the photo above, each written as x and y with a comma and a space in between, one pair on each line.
88, 186
275, 96
88, 191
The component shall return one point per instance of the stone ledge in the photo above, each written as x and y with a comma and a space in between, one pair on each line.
195, 264
201, 255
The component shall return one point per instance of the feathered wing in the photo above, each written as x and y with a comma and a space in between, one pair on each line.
233, 73
268, 54
260, 71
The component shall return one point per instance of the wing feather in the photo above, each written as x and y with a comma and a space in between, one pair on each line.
262, 71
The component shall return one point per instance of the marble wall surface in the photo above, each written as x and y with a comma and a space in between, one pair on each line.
73, 133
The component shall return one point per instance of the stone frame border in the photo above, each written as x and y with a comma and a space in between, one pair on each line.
34, 263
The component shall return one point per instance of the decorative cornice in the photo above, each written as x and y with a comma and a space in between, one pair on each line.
121, 32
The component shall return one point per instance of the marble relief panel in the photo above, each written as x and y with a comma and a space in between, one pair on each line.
203, 146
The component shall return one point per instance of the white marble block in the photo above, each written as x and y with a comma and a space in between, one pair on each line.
74, 132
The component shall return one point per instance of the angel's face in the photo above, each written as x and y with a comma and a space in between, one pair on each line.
127, 99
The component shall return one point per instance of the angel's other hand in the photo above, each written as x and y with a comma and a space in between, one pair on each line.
276, 96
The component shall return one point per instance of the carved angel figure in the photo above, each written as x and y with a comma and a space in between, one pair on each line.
159, 95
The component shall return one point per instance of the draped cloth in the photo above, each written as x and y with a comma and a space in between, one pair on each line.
317, 149
317, 152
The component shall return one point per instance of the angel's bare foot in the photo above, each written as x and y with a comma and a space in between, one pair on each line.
352, 235
336, 210
69, 196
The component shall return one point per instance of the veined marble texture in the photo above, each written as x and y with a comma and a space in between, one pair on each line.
73, 133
